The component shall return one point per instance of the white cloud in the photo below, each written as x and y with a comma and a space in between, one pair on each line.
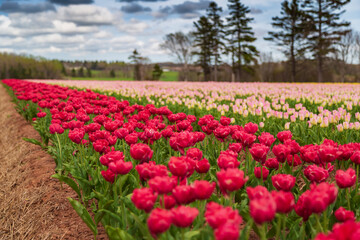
133, 26
86, 15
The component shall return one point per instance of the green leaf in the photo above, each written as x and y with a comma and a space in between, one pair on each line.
83, 213
271, 233
117, 233
191, 234
143, 229
69, 182
33, 141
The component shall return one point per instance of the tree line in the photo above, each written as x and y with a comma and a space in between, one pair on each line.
23, 66
308, 32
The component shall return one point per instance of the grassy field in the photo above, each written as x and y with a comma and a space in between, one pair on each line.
169, 76
166, 76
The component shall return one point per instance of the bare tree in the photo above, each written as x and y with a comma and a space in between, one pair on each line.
181, 46
344, 54
266, 66
357, 46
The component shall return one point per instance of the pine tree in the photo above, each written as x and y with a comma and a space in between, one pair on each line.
81, 72
112, 73
136, 60
203, 44
216, 34
63, 70
157, 72
73, 72
240, 37
88, 72
325, 28
291, 23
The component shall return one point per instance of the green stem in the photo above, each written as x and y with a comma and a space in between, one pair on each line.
247, 233
303, 231
262, 232
348, 197
122, 206
319, 227
325, 221
278, 227
60, 162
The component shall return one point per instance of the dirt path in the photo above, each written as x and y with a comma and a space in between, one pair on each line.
32, 205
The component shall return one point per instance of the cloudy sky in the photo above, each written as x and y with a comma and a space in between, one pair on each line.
111, 29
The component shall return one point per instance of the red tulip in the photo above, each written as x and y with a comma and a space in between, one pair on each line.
259, 152
183, 194
141, 152
227, 231
108, 175
272, 163
345, 179
226, 161
217, 215
283, 182
194, 153
251, 128
159, 220
144, 199
203, 189
355, 158
343, 215
202, 166
231, 179
184, 216
264, 170
262, 210
178, 166
285, 201
281, 151
316, 174
266, 139
284, 135
257, 192
120, 167
162, 185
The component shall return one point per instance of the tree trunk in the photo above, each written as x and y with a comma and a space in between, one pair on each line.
320, 57
293, 60
186, 68
320, 68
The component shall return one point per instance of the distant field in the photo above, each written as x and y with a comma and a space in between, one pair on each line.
166, 76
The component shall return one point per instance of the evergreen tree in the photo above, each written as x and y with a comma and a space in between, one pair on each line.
73, 72
325, 28
81, 72
157, 72
240, 37
88, 72
63, 70
112, 73
216, 34
291, 23
202, 42
136, 60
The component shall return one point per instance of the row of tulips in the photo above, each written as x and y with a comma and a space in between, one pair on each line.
322, 106
146, 172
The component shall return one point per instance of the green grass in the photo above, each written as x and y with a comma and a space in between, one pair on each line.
96, 75
169, 76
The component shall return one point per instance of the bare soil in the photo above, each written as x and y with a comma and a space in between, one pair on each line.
32, 204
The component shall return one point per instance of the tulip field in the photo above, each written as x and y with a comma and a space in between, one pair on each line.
161, 160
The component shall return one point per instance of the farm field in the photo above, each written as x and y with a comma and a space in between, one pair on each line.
187, 160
